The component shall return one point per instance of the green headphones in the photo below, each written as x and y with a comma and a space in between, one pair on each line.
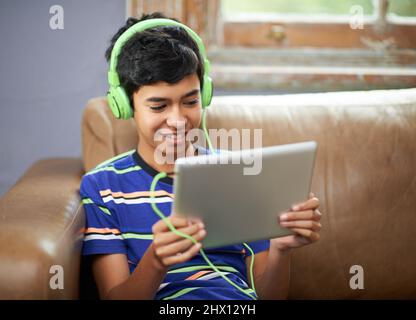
117, 97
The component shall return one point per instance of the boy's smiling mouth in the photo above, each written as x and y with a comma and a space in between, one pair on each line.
175, 137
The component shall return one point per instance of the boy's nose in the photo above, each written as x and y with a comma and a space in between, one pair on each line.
176, 119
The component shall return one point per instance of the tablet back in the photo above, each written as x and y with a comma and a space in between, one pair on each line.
240, 194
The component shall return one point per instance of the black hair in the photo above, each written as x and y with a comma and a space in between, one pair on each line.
164, 53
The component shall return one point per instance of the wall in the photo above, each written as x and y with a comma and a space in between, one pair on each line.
48, 75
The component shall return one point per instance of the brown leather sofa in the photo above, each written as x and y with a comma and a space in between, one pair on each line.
365, 177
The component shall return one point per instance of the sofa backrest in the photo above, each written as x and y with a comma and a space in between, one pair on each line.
365, 178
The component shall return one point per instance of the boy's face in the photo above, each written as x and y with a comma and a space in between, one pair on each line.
169, 109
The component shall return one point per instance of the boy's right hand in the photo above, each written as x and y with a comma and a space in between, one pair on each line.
170, 248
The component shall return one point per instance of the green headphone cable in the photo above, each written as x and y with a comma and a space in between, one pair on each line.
181, 234
204, 128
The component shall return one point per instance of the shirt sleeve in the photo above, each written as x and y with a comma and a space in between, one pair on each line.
257, 246
102, 232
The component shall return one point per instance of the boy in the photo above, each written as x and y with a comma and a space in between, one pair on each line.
135, 255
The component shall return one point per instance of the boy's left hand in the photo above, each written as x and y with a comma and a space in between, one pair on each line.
303, 219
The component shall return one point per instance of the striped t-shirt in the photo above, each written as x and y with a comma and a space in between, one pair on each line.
119, 219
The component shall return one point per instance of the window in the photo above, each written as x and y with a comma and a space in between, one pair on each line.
301, 45
319, 23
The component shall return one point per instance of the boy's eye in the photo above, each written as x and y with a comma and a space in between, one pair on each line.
190, 103
158, 108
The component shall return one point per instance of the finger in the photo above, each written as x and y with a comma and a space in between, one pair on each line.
194, 220
179, 246
309, 234
189, 254
176, 221
303, 224
311, 195
191, 219
167, 237
301, 215
297, 215
312, 203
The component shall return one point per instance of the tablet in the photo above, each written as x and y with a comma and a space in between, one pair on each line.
240, 194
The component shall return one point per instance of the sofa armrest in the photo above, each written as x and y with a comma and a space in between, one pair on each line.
41, 227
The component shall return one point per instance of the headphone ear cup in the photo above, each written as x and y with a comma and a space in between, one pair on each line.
119, 103
207, 91
112, 102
